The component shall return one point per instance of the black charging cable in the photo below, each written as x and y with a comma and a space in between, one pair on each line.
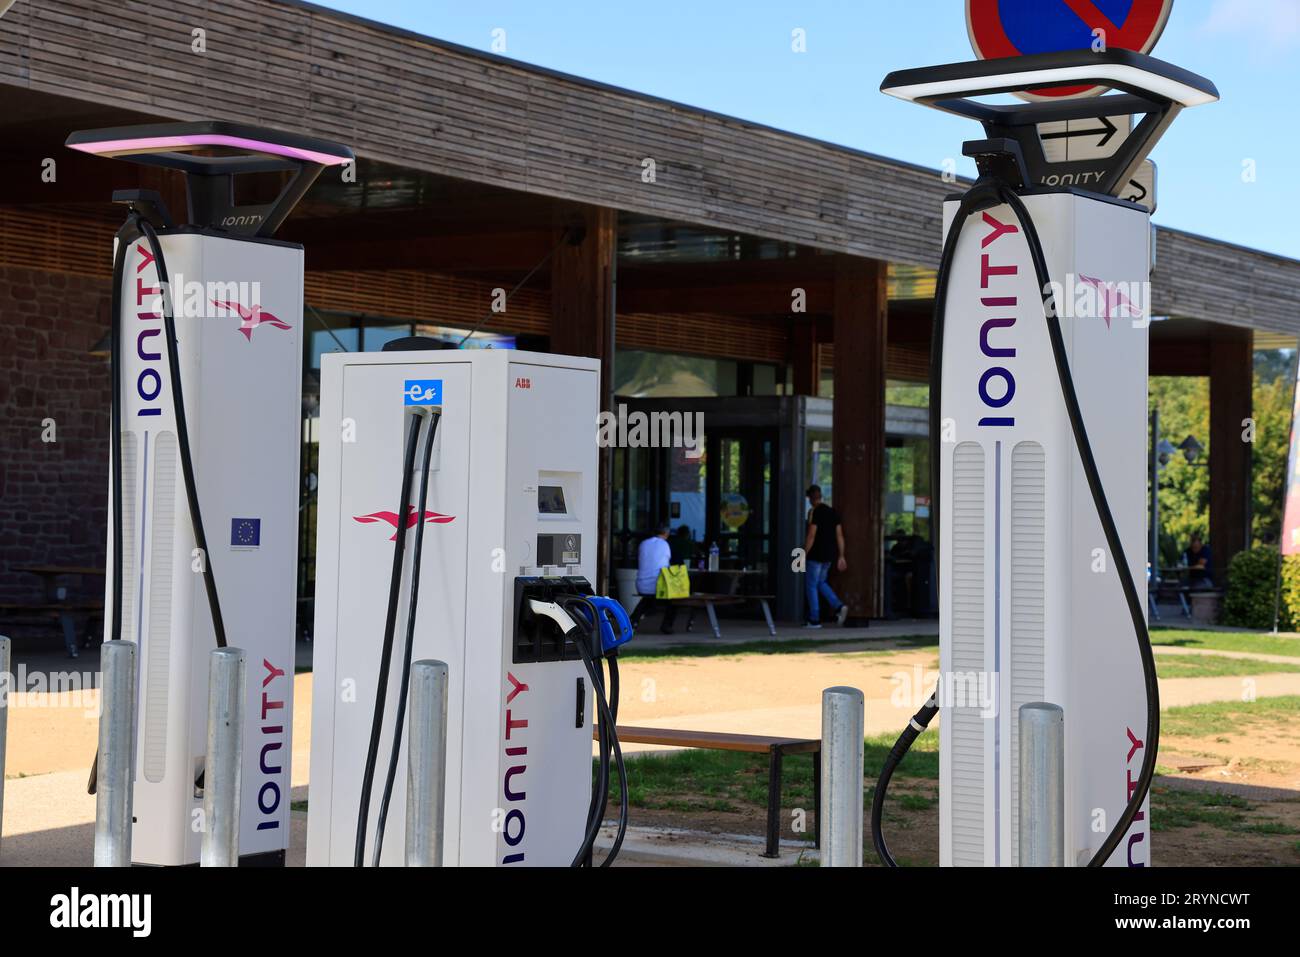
606, 710
986, 193
386, 650
137, 225
412, 604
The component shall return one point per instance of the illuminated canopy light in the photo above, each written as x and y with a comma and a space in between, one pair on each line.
161, 144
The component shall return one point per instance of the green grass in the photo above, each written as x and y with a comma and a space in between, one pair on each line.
1173, 808
1250, 641
701, 780
1215, 666
1226, 717
789, 646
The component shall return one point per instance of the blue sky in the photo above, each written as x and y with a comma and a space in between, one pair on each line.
735, 57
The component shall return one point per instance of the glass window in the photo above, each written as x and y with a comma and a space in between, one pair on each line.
376, 334
341, 338
913, 394
640, 373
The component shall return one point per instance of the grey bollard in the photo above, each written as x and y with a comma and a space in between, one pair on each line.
1042, 785
116, 744
222, 769
843, 712
6, 681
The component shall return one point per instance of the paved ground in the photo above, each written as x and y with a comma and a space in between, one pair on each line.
49, 818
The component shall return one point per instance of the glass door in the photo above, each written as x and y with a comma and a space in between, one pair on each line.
741, 493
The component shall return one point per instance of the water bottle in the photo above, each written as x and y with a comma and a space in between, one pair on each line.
713, 557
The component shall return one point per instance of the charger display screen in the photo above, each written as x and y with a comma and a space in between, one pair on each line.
550, 500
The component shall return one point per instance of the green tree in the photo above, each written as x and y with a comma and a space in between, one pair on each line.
1184, 406
1272, 414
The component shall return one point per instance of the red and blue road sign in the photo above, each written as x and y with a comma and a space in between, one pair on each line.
1001, 28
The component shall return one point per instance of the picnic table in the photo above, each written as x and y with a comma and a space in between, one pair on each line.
710, 601
57, 604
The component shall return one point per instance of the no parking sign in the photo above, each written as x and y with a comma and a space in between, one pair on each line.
1001, 28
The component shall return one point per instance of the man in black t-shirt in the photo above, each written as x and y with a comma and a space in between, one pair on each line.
823, 545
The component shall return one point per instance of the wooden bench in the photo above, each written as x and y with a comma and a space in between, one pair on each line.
27, 612
709, 601
775, 748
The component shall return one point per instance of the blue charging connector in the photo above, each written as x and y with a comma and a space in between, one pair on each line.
611, 613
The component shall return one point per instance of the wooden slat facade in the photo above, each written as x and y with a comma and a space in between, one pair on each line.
433, 106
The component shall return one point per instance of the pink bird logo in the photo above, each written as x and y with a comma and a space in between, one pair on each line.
1112, 298
434, 518
252, 318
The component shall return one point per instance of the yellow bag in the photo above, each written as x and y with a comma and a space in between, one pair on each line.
674, 582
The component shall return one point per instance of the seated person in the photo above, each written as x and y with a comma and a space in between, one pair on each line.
653, 555
682, 546
1197, 559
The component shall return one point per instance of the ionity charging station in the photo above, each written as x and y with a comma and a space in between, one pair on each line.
206, 419
1038, 415
502, 447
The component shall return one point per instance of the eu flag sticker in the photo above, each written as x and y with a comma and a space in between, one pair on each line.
422, 392
245, 532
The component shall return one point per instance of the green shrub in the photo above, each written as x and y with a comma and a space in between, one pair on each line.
1252, 589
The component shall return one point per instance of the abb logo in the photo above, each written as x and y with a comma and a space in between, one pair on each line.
522, 383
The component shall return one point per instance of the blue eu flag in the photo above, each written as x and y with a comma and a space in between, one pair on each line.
245, 532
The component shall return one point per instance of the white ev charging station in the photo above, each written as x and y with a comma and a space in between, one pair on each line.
502, 446
207, 365
1038, 412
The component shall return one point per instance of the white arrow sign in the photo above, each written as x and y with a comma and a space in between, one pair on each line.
1097, 137
1142, 187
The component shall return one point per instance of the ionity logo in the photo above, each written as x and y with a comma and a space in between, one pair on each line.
434, 518
251, 317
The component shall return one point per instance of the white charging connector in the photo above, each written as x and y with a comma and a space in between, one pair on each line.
554, 612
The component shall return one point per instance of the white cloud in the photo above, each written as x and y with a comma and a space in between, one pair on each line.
1274, 23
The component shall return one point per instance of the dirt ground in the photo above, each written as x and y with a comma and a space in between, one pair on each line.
1251, 816
1249, 793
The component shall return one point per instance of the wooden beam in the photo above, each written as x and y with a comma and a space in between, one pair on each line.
804, 355
1231, 380
860, 319
1179, 357
508, 253
738, 288
582, 321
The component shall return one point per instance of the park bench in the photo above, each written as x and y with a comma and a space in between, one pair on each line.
709, 602
63, 612
775, 748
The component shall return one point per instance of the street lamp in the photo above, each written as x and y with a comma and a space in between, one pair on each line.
1192, 449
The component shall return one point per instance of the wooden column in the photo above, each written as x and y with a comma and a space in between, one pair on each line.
582, 321
859, 320
804, 355
1231, 380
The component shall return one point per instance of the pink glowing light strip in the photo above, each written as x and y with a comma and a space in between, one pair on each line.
158, 143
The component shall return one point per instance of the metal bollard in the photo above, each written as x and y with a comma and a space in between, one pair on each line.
1042, 785
222, 769
426, 774
842, 792
6, 681
116, 744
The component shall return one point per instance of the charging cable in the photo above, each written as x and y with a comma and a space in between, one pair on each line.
386, 649
986, 193
434, 417
137, 225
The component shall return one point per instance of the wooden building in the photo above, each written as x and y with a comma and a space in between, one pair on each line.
697, 255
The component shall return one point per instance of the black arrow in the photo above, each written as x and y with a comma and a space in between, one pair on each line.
1107, 130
